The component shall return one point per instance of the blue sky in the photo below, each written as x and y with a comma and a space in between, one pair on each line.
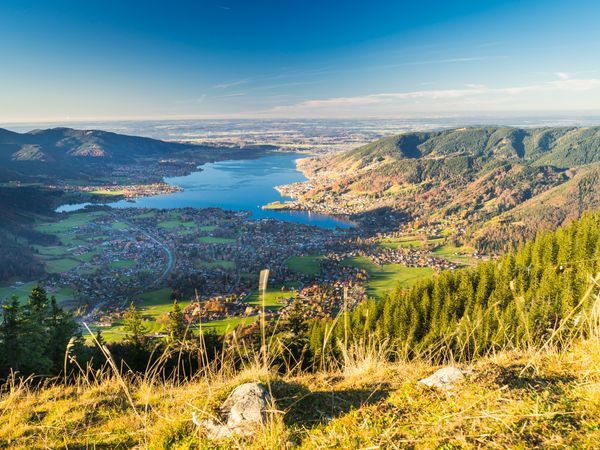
68, 60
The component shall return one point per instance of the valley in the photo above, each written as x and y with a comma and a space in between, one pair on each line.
104, 258
299, 225
359, 226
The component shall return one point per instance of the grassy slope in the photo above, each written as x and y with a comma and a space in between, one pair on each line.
513, 400
383, 279
307, 265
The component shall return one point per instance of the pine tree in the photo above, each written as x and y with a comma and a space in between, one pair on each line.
100, 337
294, 340
61, 328
36, 351
176, 326
134, 327
11, 337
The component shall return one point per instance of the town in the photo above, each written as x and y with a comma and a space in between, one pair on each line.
209, 260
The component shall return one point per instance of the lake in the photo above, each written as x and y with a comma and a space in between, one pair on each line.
235, 185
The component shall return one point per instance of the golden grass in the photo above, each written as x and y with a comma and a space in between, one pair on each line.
532, 398
507, 403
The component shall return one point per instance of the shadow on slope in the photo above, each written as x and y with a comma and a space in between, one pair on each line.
304, 407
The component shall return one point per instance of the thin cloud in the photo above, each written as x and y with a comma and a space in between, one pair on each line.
331, 70
563, 75
470, 93
233, 94
230, 84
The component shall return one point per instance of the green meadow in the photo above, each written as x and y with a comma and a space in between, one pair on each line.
307, 265
175, 223
23, 291
219, 263
125, 264
384, 278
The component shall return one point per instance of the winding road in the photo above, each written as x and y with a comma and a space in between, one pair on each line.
168, 269
165, 247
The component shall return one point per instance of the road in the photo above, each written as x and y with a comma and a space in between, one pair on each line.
169, 267
165, 247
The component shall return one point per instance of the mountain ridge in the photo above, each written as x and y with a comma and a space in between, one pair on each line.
467, 176
71, 152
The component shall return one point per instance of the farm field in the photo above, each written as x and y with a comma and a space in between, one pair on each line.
307, 265
175, 223
68, 223
61, 265
271, 297
219, 263
22, 291
125, 264
156, 305
383, 279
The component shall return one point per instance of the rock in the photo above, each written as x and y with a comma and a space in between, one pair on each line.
243, 413
445, 378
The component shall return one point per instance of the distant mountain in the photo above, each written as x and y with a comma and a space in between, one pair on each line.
66, 145
468, 176
64, 150
559, 146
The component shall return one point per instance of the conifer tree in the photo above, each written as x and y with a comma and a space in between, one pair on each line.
100, 337
11, 337
134, 327
61, 328
36, 358
176, 326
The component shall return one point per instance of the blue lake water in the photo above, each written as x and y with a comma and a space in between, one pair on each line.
236, 185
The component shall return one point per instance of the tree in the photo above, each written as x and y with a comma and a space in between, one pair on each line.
100, 337
11, 336
61, 327
294, 339
36, 357
176, 325
134, 327
34, 337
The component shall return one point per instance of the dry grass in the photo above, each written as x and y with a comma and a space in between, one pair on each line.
508, 403
533, 398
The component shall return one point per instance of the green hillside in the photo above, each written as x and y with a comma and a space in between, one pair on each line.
472, 177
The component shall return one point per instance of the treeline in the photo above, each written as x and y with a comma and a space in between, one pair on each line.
34, 337
19, 209
39, 338
523, 299
18, 261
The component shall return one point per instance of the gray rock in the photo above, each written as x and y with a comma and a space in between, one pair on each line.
445, 378
243, 413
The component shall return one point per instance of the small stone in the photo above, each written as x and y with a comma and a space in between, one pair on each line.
244, 412
445, 378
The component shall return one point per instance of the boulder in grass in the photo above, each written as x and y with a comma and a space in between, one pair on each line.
243, 413
445, 378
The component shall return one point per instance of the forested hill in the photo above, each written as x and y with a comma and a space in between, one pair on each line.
539, 295
562, 147
65, 150
20, 208
475, 177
